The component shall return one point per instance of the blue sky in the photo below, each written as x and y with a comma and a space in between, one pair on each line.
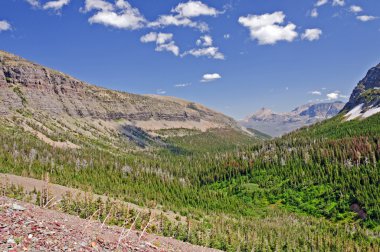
234, 56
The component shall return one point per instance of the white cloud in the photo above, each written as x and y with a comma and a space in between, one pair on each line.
314, 13
316, 92
97, 5
181, 85
210, 52
366, 18
183, 13
170, 47
205, 41
266, 28
321, 2
211, 77
159, 38
34, 3
5, 26
126, 17
55, 5
333, 96
356, 9
338, 3
169, 20
195, 9
312, 34
164, 42
207, 50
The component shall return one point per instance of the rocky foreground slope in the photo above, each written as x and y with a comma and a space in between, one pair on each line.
28, 88
277, 124
25, 227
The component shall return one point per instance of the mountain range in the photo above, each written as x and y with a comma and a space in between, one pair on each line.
277, 124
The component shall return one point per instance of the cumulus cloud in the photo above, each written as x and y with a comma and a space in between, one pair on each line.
211, 77
207, 49
339, 2
205, 41
366, 18
34, 3
183, 13
210, 52
314, 13
356, 9
159, 38
195, 9
170, 47
332, 96
55, 5
5, 26
321, 2
267, 28
312, 34
169, 20
164, 42
121, 15
97, 5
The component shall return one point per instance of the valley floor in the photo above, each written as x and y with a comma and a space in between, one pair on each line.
26, 227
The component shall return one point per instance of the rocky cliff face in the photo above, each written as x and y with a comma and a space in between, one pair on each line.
277, 124
367, 92
25, 85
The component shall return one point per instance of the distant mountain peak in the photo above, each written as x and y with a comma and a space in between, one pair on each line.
276, 124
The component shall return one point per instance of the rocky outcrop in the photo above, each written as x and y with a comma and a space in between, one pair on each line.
277, 124
367, 92
26, 85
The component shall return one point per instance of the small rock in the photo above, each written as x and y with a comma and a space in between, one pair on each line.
11, 241
18, 207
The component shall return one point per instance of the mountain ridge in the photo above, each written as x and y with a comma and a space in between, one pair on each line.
365, 98
277, 124
30, 88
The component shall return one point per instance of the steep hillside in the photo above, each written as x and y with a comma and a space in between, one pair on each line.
41, 95
365, 99
277, 124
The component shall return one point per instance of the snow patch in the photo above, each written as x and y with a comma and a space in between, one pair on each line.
358, 112
354, 113
371, 112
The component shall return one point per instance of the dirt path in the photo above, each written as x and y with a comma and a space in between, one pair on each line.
58, 191
26, 227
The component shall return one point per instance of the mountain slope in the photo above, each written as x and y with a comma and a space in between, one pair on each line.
365, 99
30, 89
276, 124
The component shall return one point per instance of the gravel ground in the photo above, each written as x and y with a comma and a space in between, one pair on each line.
26, 227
